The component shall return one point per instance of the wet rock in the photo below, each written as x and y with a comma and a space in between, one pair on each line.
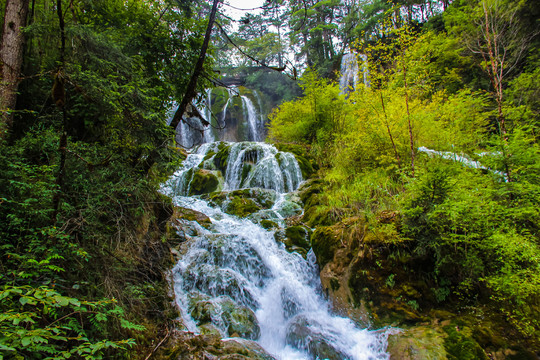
302, 334
244, 349
419, 343
243, 202
241, 207
299, 236
215, 282
189, 346
222, 157
295, 238
203, 182
290, 207
224, 314
191, 215
325, 241
269, 224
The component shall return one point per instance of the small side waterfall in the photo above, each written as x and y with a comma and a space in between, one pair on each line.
233, 278
350, 72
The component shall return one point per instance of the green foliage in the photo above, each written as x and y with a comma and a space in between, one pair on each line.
79, 221
38, 322
470, 235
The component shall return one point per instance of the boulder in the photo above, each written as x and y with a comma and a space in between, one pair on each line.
418, 343
203, 182
302, 334
224, 314
189, 346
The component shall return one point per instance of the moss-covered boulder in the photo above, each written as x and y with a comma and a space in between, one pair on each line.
224, 314
243, 202
191, 215
242, 207
189, 346
203, 182
269, 224
221, 157
419, 343
299, 235
325, 240
295, 238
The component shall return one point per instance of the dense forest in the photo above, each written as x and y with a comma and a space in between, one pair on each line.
423, 182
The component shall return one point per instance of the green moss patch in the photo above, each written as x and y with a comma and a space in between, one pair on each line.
203, 182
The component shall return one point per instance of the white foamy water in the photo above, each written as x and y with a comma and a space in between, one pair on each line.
236, 264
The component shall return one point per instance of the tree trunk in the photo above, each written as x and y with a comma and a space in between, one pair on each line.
191, 90
11, 58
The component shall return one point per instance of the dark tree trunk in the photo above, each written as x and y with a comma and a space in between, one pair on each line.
11, 59
191, 90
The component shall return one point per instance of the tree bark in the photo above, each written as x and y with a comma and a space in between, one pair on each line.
191, 90
11, 58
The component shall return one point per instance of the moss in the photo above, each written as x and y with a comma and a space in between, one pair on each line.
222, 156
192, 215
322, 216
461, 345
299, 235
245, 172
208, 155
309, 189
417, 343
334, 284
203, 182
269, 224
324, 242
262, 197
242, 207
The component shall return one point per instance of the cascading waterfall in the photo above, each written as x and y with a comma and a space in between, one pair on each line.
350, 72
236, 118
255, 122
234, 278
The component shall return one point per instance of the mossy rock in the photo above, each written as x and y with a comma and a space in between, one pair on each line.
203, 182
190, 346
310, 188
323, 216
242, 207
192, 215
221, 158
263, 197
240, 349
209, 329
418, 343
325, 242
299, 235
461, 345
234, 319
269, 224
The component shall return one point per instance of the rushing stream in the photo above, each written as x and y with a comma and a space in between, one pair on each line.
235, 278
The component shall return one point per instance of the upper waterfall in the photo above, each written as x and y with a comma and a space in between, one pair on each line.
234, 114
350, 72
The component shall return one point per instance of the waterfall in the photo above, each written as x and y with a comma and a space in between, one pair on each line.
209, 133
350, 72
235, 279
255, 122
232, 114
